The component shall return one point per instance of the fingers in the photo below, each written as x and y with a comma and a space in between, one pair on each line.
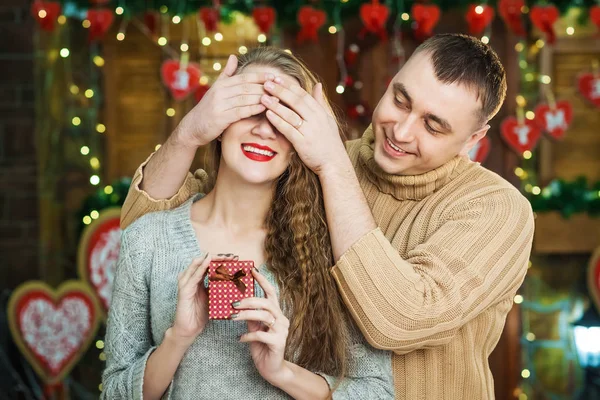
225, 257
247, 77
261, 336
294, 96
243, 89
269, 289
239, 113
319, 96
196, 264
242, 100
284, 112
254, 315
229, 69
286, 129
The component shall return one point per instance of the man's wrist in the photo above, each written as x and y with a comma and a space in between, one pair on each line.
183, 138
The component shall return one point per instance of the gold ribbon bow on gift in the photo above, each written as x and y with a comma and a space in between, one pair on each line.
221, 274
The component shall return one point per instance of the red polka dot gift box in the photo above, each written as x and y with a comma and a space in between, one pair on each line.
228, 282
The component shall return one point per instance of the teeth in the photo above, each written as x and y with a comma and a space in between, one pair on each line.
258, 151
393, 146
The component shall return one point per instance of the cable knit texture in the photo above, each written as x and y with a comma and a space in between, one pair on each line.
435, 281
154, 249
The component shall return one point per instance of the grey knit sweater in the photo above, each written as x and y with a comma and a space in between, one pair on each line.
154, 250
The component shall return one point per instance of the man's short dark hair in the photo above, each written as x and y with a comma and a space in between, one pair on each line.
465, 60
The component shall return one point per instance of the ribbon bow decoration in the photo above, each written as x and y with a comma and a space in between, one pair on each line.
221, 274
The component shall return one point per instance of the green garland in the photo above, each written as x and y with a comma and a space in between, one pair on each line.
568, 198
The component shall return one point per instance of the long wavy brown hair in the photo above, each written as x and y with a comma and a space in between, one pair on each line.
298, 247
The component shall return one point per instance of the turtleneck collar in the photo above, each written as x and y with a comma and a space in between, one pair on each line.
406, 187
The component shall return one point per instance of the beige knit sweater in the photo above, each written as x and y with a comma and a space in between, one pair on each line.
435, 281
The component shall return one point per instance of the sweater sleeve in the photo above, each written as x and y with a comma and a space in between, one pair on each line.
128, 335
139, 202
369, 373
474, 259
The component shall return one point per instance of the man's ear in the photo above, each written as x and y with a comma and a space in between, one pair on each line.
472, 141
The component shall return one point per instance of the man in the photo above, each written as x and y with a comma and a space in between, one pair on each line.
430, 248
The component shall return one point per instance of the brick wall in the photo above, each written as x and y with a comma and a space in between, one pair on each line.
18, 171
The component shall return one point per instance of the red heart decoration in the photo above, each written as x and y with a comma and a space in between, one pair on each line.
181, 82
374, 16
264, 18
52, 10
200, 92
210, 16
595, 15
510, 11
593, 278
310, 20
543, 17
100, 21
98, 253
351, 54
53, 329
481, 150
520, 137
479, 21
151, 20
589, 87
426, 18
554, 121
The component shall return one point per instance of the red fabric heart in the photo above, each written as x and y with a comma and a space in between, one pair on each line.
481, 150
210, 16
264, 18
53, 329
520, 137
426, 18
589, 87
554, 122
595, 15
181, 82
593, 278
100, 21
478, 22
510, 11
310, 21
543, 17
98, 252
52, 9
374, 16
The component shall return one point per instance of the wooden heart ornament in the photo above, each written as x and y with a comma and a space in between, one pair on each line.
544, 17
589, 87
46, 13
554, 121
98, 253
53, 328
180, 81
479, 17
481, 150
593, 278
520, 137
310, 20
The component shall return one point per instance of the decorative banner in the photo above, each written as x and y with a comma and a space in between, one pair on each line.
554, 121
310, 20
520, 137
544, 17
264, 17
374, 16
589, 87
510, 11
46, 13
481, 150
479, 17
426, 18
53, 329
100, 21
593, 278
98, 253
181, 81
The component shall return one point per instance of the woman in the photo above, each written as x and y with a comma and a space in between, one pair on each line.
267, 205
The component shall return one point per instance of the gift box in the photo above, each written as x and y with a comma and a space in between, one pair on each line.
228, 282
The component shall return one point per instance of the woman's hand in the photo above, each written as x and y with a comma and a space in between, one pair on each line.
192, 299
230, 98
267, 331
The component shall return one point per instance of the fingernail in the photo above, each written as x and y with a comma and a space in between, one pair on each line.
266, 99
270, 76
235, 304
229, 254
278, 80
220, 254
269, 85
256, 270
234, 316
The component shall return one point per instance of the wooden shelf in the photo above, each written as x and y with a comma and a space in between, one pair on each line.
555, 234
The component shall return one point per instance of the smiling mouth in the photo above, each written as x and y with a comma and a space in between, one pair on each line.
395, 149
257, 152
